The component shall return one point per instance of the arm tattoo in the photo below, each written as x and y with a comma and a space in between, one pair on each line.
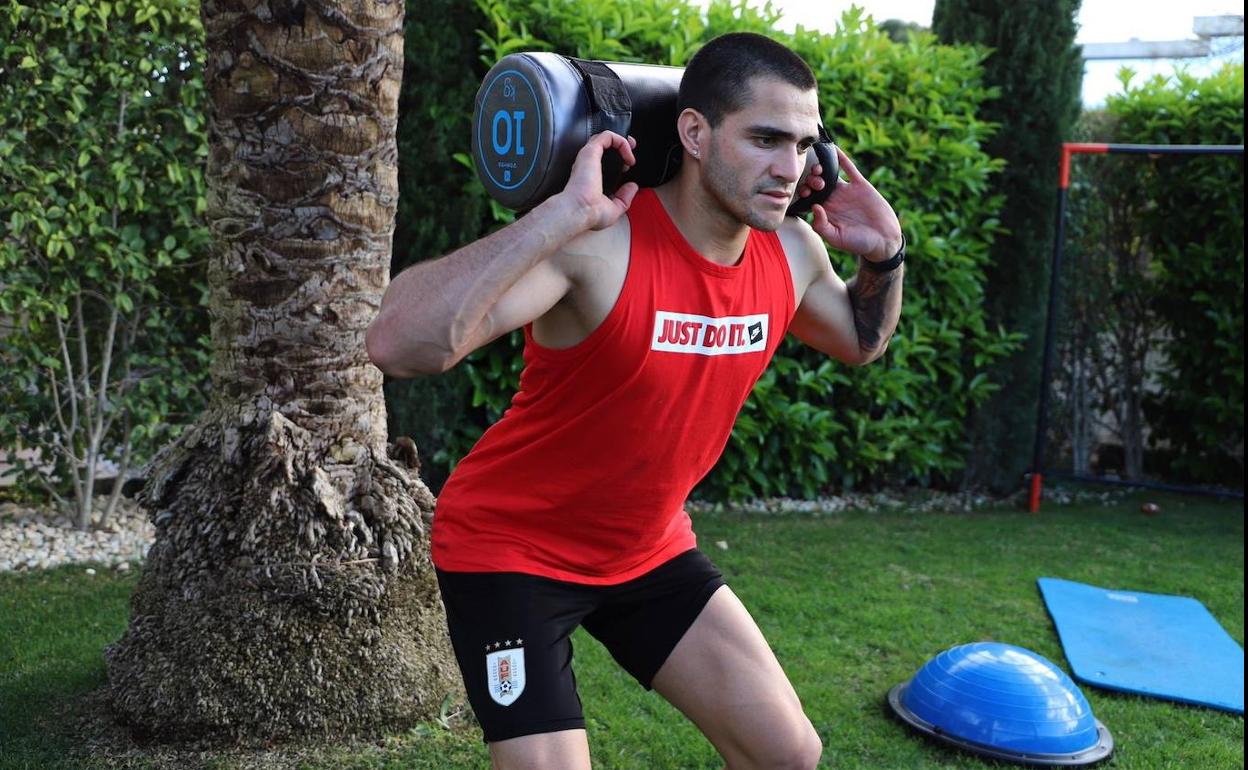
876, 299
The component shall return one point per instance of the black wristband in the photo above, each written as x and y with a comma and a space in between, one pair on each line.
888, 265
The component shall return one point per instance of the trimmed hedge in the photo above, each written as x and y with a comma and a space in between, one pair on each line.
1197, 232
907, 113
1157, 276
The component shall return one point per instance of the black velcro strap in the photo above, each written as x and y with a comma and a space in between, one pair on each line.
610, 106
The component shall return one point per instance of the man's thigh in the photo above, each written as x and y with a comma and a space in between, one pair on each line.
725, 678
510, 633
640, 622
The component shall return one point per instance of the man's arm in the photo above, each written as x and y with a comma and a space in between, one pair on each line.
850, 321
435, 313
876, 299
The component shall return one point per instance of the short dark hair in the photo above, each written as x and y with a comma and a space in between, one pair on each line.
717, 79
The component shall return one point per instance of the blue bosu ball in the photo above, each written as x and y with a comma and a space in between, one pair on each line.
1003, 702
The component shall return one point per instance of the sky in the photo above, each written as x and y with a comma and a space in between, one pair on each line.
1100, 21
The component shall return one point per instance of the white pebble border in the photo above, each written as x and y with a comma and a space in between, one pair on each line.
913, 500
41, 538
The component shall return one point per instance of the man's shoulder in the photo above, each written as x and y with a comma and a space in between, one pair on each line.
799, 240
584, 258
609, 241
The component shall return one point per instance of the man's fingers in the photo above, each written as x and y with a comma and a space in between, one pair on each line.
624, 196
625, 148
609, 140
591, 155
820, 225
848, 166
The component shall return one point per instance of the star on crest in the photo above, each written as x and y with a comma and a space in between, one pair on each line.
517, 642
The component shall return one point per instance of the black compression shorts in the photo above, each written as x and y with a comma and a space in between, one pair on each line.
511, 634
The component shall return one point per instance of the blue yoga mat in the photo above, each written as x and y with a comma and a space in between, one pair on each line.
1151, 644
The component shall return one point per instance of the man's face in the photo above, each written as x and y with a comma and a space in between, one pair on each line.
757, 154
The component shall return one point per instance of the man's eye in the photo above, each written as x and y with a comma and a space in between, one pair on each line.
765, 141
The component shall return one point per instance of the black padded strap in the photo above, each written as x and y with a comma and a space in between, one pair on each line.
825, 155
610, 106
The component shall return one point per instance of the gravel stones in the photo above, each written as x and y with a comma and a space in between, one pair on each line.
42, 538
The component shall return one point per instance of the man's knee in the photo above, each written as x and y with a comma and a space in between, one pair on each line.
562, 749
795, 748
806, 749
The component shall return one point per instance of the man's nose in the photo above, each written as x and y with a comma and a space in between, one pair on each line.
789, 166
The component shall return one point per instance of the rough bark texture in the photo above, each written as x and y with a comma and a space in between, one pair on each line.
289, 590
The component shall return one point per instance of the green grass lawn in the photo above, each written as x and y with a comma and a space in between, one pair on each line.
853, 603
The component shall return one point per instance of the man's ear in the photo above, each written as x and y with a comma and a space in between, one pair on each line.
694, 131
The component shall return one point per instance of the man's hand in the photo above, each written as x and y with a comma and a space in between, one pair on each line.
584, 188
857, 219
813, 183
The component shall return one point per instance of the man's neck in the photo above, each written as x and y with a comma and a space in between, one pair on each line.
712, 232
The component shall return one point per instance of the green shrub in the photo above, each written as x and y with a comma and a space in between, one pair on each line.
101, 233
440, 208
1192, 226
907, 114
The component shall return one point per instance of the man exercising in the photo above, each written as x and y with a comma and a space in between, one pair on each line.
648, 316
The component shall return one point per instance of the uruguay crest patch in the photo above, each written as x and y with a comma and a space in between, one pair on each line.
504, 673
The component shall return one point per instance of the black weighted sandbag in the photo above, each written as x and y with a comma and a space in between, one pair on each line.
535, 111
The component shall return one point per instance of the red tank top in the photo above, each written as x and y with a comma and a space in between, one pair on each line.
585, 477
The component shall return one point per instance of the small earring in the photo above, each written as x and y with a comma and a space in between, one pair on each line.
695, 153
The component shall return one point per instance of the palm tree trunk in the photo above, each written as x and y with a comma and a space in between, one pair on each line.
289, 589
